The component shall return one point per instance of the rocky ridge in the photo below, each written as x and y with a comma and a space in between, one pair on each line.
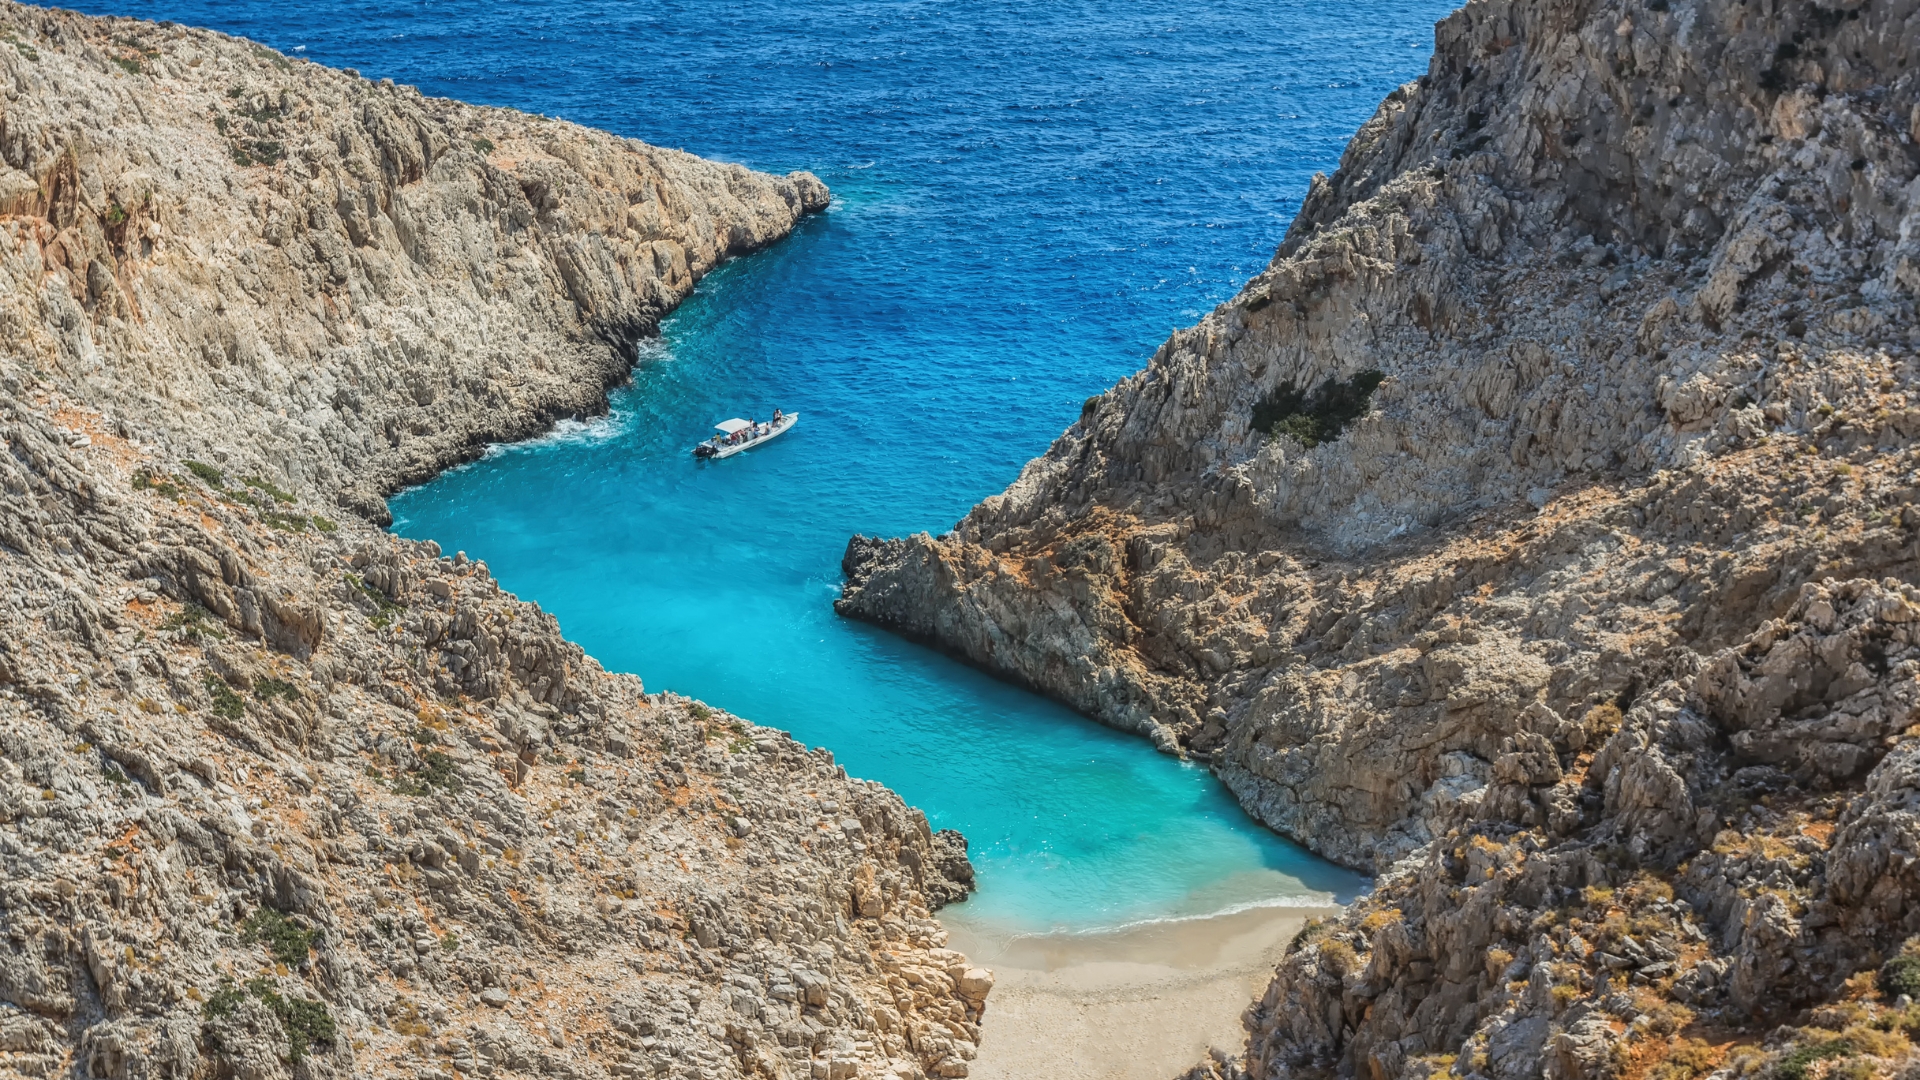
284, 796
1537, 531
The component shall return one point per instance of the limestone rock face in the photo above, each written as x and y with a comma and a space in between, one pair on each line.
1535, 531
338, 282
282, 796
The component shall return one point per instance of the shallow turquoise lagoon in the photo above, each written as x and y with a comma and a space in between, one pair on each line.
717, 579
1029, 197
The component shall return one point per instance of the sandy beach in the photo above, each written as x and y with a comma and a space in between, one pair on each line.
1143, 1003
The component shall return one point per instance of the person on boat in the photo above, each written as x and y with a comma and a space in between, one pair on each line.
777, 414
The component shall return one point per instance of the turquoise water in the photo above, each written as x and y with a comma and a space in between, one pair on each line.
717, 580
1028, 198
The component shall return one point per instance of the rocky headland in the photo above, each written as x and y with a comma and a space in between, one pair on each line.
1538, 532
282, 795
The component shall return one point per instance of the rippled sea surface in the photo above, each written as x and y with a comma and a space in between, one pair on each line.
1028, 198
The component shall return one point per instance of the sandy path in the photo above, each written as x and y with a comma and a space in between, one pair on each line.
1143, 1003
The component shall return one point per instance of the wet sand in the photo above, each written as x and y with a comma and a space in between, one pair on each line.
1140, 1003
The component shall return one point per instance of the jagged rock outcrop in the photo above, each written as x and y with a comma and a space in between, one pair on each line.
284, 796
1537, 530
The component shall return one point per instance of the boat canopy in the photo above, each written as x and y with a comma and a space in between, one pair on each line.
733, 425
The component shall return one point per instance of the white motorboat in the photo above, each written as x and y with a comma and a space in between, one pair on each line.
737, 435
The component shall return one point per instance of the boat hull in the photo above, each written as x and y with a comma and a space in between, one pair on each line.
715, 453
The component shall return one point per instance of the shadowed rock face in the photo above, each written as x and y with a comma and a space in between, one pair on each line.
284, 796
1588, 634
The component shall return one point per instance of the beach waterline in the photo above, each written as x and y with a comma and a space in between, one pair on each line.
1139, 1003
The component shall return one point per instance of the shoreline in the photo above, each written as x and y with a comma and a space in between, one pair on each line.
1133, 1003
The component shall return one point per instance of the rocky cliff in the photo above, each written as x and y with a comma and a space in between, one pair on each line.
284, 796
1537, 531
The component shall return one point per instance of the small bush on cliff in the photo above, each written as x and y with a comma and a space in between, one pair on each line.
307, 1024
1313, 930
213, 477
264, 485
1901, 975
145, 479
436, 773
227, 705
1320, 415
286, 941
222, 1003
193, 622
1338, 957
266, 688
22, 47
1798, 1062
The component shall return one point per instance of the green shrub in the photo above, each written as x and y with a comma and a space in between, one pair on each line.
1320, 415
22, 47
483, 146
285, 940
325, 525
193, 622
436, 773
115, 774
261, 484
131, 67
1797, 1062
206, 472
145, 480
266, 688
226, 704
291, 523
307, 1023
223, 1001
1901, 975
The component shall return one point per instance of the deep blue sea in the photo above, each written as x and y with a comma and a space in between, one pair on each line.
1028, 198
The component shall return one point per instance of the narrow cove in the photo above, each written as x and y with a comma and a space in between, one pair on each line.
1026, 201
716, 580
1009, 234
